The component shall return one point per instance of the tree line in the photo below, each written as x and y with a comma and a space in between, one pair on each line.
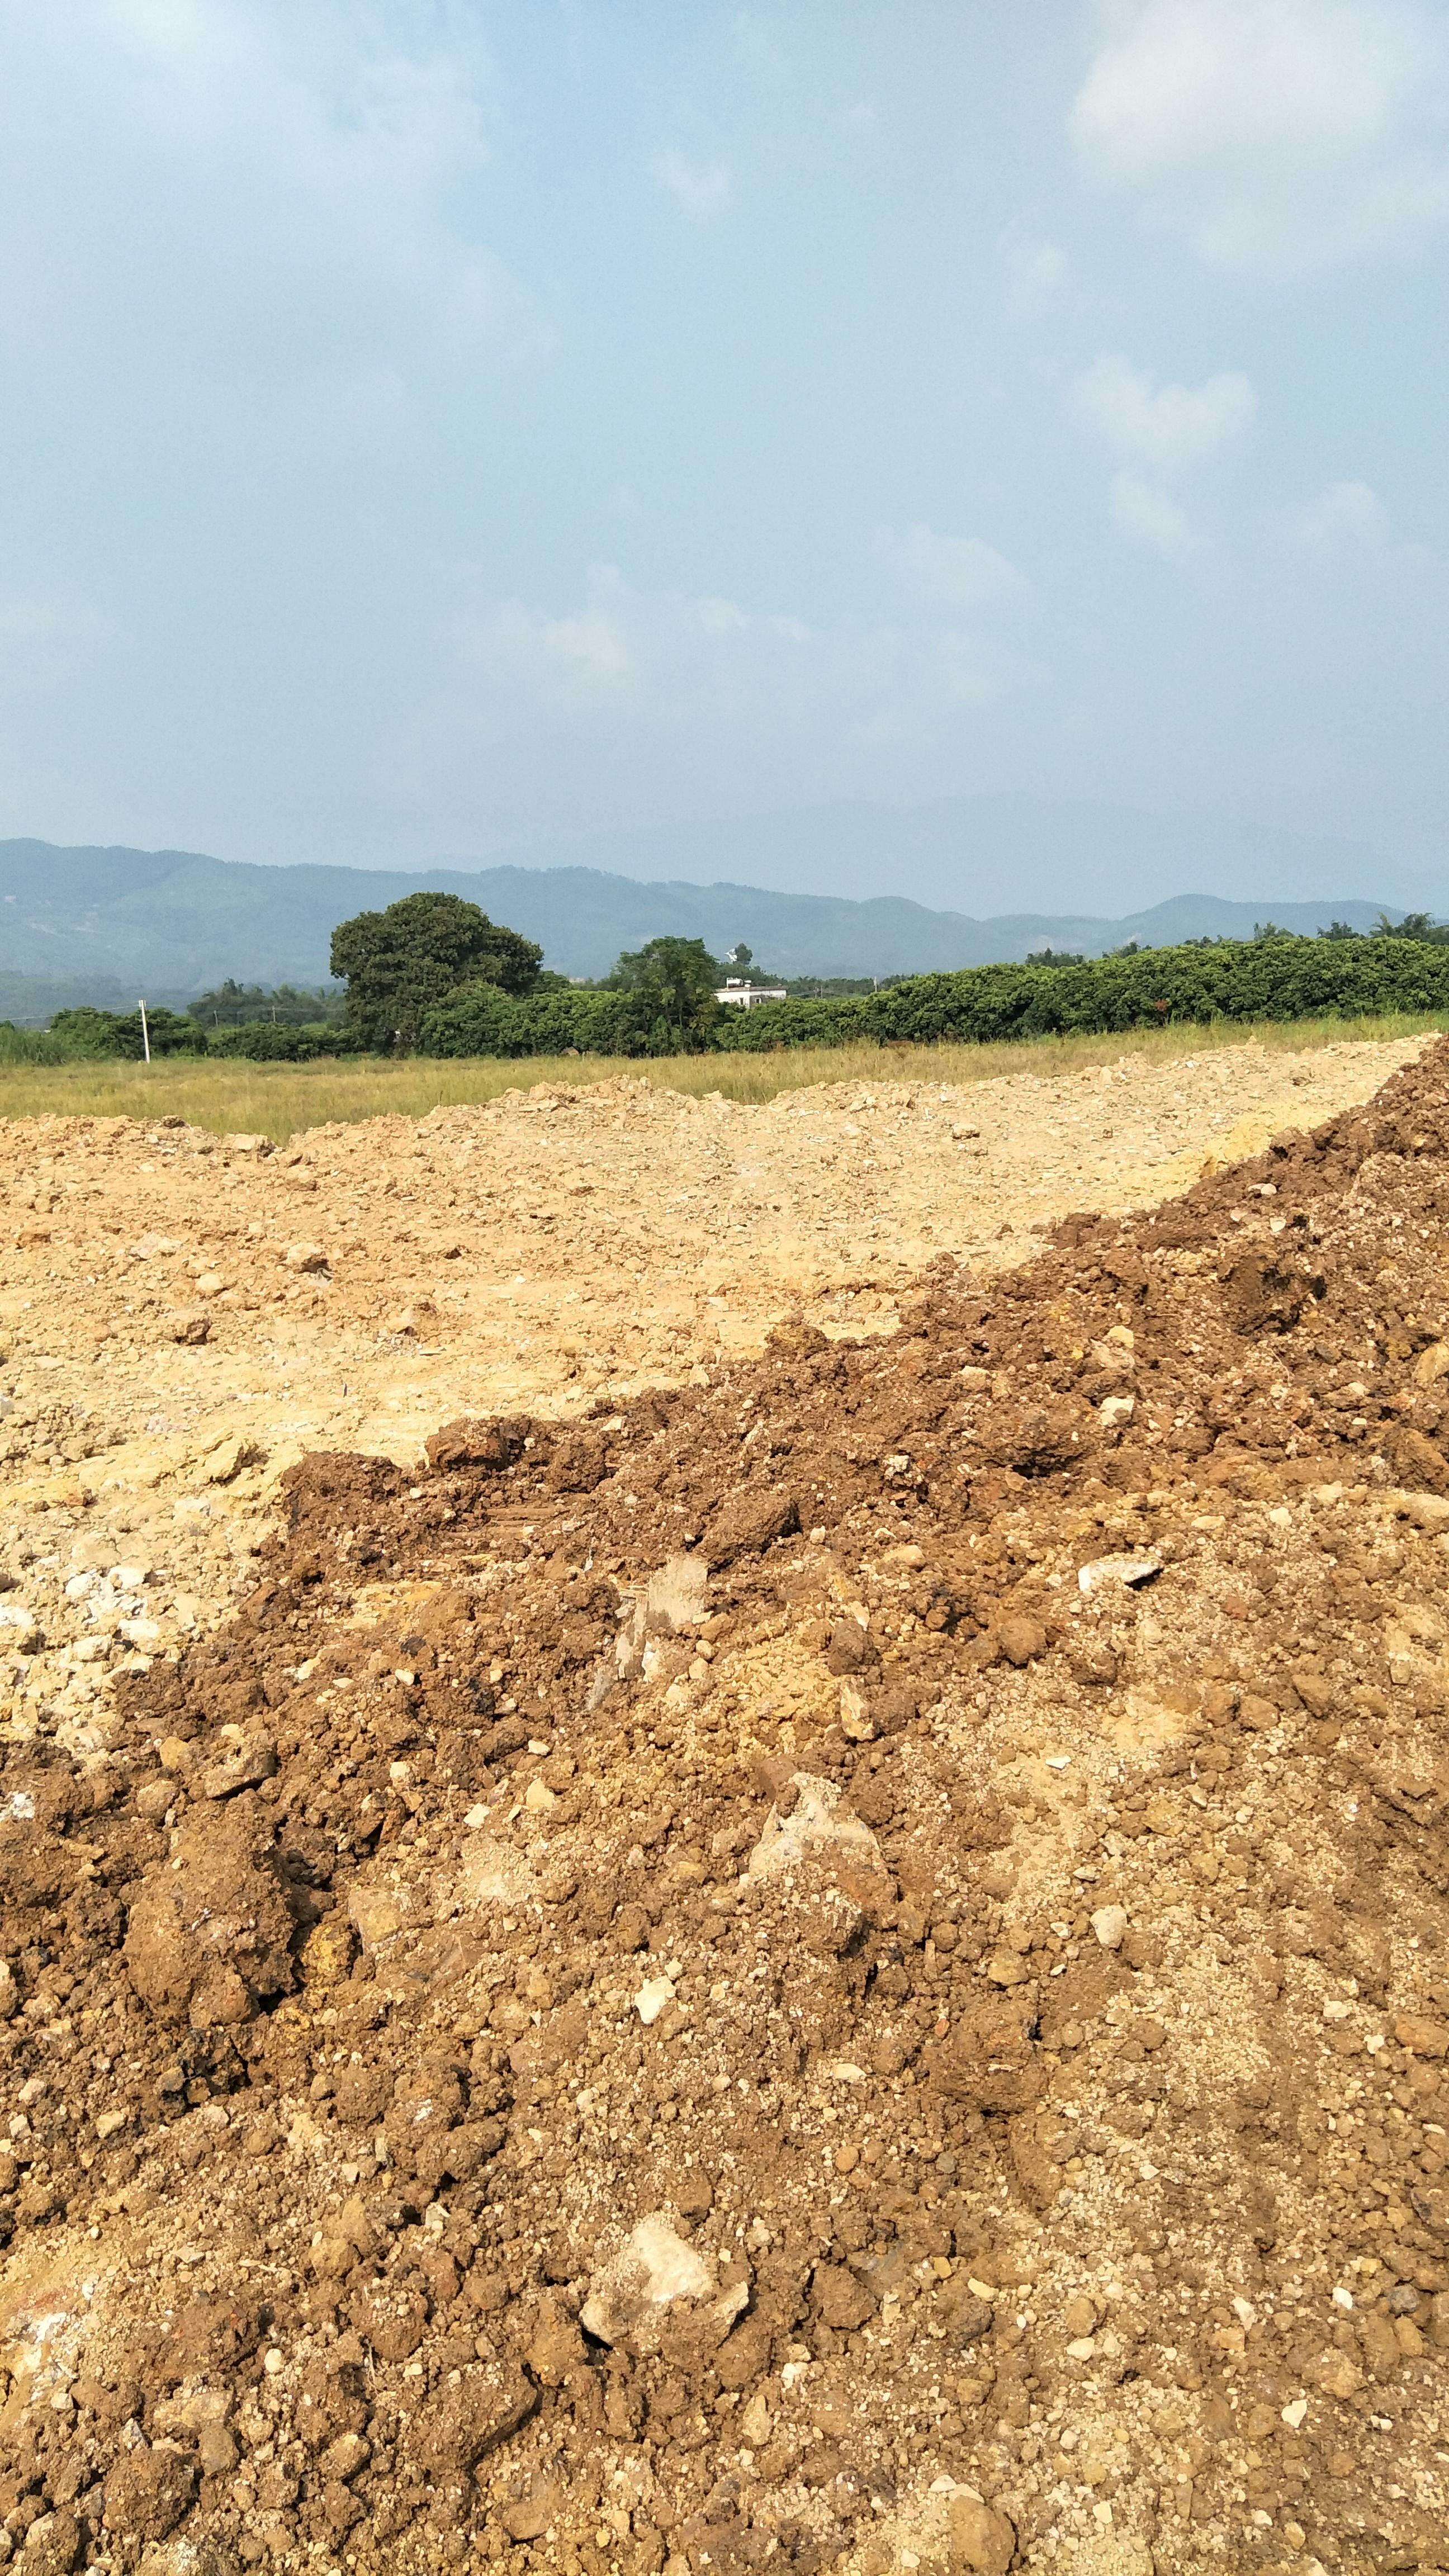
432, 975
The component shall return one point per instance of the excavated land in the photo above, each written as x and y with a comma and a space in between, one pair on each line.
834, 1962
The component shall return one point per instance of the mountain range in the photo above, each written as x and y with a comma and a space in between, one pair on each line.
989, 854
109, 925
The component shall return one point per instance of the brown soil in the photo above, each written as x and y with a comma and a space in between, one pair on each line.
842, 1966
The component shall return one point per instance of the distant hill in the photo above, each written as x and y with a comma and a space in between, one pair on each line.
108, 925
992, 853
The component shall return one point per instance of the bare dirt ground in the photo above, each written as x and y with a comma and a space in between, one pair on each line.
823, 1947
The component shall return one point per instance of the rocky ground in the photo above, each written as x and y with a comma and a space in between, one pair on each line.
827, 1953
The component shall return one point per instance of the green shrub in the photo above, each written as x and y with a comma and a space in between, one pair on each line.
1276, 978
29, 1046
1267, 979
87, 1032
271, 1042
481, 1020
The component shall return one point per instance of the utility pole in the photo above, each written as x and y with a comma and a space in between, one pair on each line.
145, 1035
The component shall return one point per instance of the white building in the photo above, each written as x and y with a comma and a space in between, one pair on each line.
739, 990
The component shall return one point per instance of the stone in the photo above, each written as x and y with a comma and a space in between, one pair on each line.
376, 1913
1109, 1923
1079, 2316
530, 2516
345, 2457
1127, 1573
218, 1906
653, 2268
821, 1825
244, 1759
328, 1952
305, 1257
1007, 1967
226, 1461
982, 2540
1423, 2033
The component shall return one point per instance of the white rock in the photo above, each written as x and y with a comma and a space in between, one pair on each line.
375, 1915
1295, 2415
1115, 1410
651, 2273
1110, 1925
652, 1997
229, 1457
674, 1598
817, 1825
1130, 1571
754, 2420
652, 2269
491, 1874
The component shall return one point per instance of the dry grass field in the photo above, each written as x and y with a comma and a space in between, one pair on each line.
279, 1100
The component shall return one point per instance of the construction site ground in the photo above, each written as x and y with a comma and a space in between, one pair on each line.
722, 1829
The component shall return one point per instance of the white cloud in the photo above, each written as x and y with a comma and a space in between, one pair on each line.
947, 572
700, 187
1148, 516
1036, 270
584, 659
1279, 135
1346, 528
700, 690
1169, 427
1345, 518
250, 190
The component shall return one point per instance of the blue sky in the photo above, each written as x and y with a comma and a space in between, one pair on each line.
432, 428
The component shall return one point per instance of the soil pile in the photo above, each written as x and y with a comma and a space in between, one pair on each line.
839, 1969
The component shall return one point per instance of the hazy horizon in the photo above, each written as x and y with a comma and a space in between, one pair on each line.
443, 435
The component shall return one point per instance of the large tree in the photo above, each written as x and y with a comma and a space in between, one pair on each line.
679, 978
400, 963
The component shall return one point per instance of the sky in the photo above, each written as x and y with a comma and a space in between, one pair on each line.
434, 429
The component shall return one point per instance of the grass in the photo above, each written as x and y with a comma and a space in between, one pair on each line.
277, 1100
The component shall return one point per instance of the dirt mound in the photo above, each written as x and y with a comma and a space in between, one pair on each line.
843, 1968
